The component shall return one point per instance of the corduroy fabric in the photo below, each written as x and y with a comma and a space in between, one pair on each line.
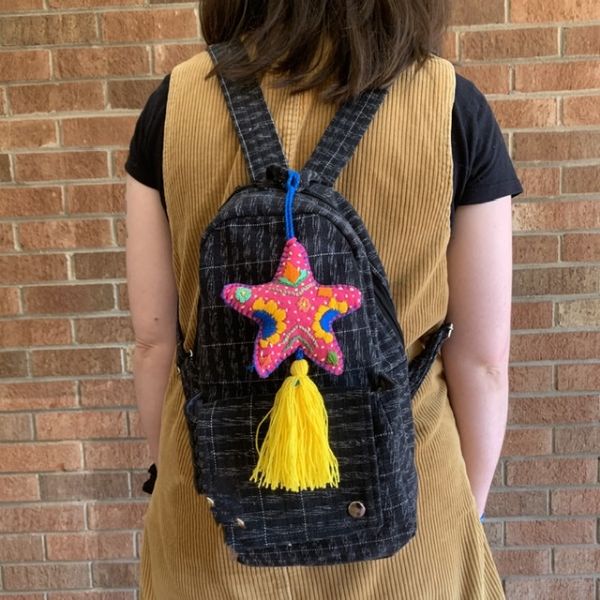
400, 182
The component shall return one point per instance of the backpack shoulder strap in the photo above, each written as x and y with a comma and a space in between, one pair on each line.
343, 135
252, 120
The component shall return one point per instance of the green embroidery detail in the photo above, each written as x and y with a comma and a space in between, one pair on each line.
332, 358
243, 294
303, 275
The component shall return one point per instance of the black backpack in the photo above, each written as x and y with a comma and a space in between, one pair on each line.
371, 513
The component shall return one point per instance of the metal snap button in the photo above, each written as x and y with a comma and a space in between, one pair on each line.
210, 501
357, 509
240, 523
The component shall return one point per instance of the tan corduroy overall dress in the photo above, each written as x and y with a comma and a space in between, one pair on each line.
400, 182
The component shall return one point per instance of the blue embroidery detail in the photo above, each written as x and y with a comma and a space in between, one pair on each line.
327, 319
269, 325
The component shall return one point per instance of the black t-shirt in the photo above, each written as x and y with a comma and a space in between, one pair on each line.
482, 170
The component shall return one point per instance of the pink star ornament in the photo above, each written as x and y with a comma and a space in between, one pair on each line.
294, 311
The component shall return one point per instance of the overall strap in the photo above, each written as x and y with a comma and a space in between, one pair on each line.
252, 120
343, 135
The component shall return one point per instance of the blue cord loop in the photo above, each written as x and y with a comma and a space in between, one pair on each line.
292, 185
299, 354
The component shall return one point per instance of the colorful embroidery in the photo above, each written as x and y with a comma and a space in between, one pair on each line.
290, 309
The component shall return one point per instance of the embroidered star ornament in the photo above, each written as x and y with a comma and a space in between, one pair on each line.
294, 312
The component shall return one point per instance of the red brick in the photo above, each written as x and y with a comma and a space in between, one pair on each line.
494, 532
490, 79
579, 313
527, 442
130, 93
551, 471
135, 425
26, 202
577, 561
556, 215
449, 46
166, 56
580, 439
581, 246
74, 233
545, 11
38, 395
31, 269
522, 562
556, 281
121, 232
84, 361
89, 546
534, 112
46, 576
83, 486
5, 168
575, 501
539, 181
104, 330
123, 26
16, 548
56, 97
36, 30
110, 392
24, 65
555, 346
581, 110
471, 12
116, 515
68, 298
13, 364
104, 198
531, 379
554, 410
27, 134
92, 595
40, 457
123, 296
56, 166
9, 301
74, 63
556, 145
545, 532
62, 517
509, 43
116, 455
90, 4
514, 503
535, 249
118, 159
535, 589
74, 425
100, 265
581, 180
565, 76
15, 427
118, 574
18, 488
35, 332
582, 40
7, 241
18, 5
98, 131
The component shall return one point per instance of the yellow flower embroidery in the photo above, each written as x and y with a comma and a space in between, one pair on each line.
273, 321
324, 317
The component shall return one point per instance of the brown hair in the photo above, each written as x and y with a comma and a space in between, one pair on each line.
370, 42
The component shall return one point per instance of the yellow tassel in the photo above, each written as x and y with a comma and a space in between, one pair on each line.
295, 454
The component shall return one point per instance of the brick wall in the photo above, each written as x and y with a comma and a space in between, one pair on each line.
73, 76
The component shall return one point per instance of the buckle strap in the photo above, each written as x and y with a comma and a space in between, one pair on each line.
419, 366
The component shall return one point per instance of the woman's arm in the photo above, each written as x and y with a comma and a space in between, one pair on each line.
153, 303
476, 356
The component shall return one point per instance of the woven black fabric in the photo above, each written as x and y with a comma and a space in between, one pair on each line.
369, 406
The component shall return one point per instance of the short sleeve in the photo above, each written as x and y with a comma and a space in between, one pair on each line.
483, 170
144, 162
